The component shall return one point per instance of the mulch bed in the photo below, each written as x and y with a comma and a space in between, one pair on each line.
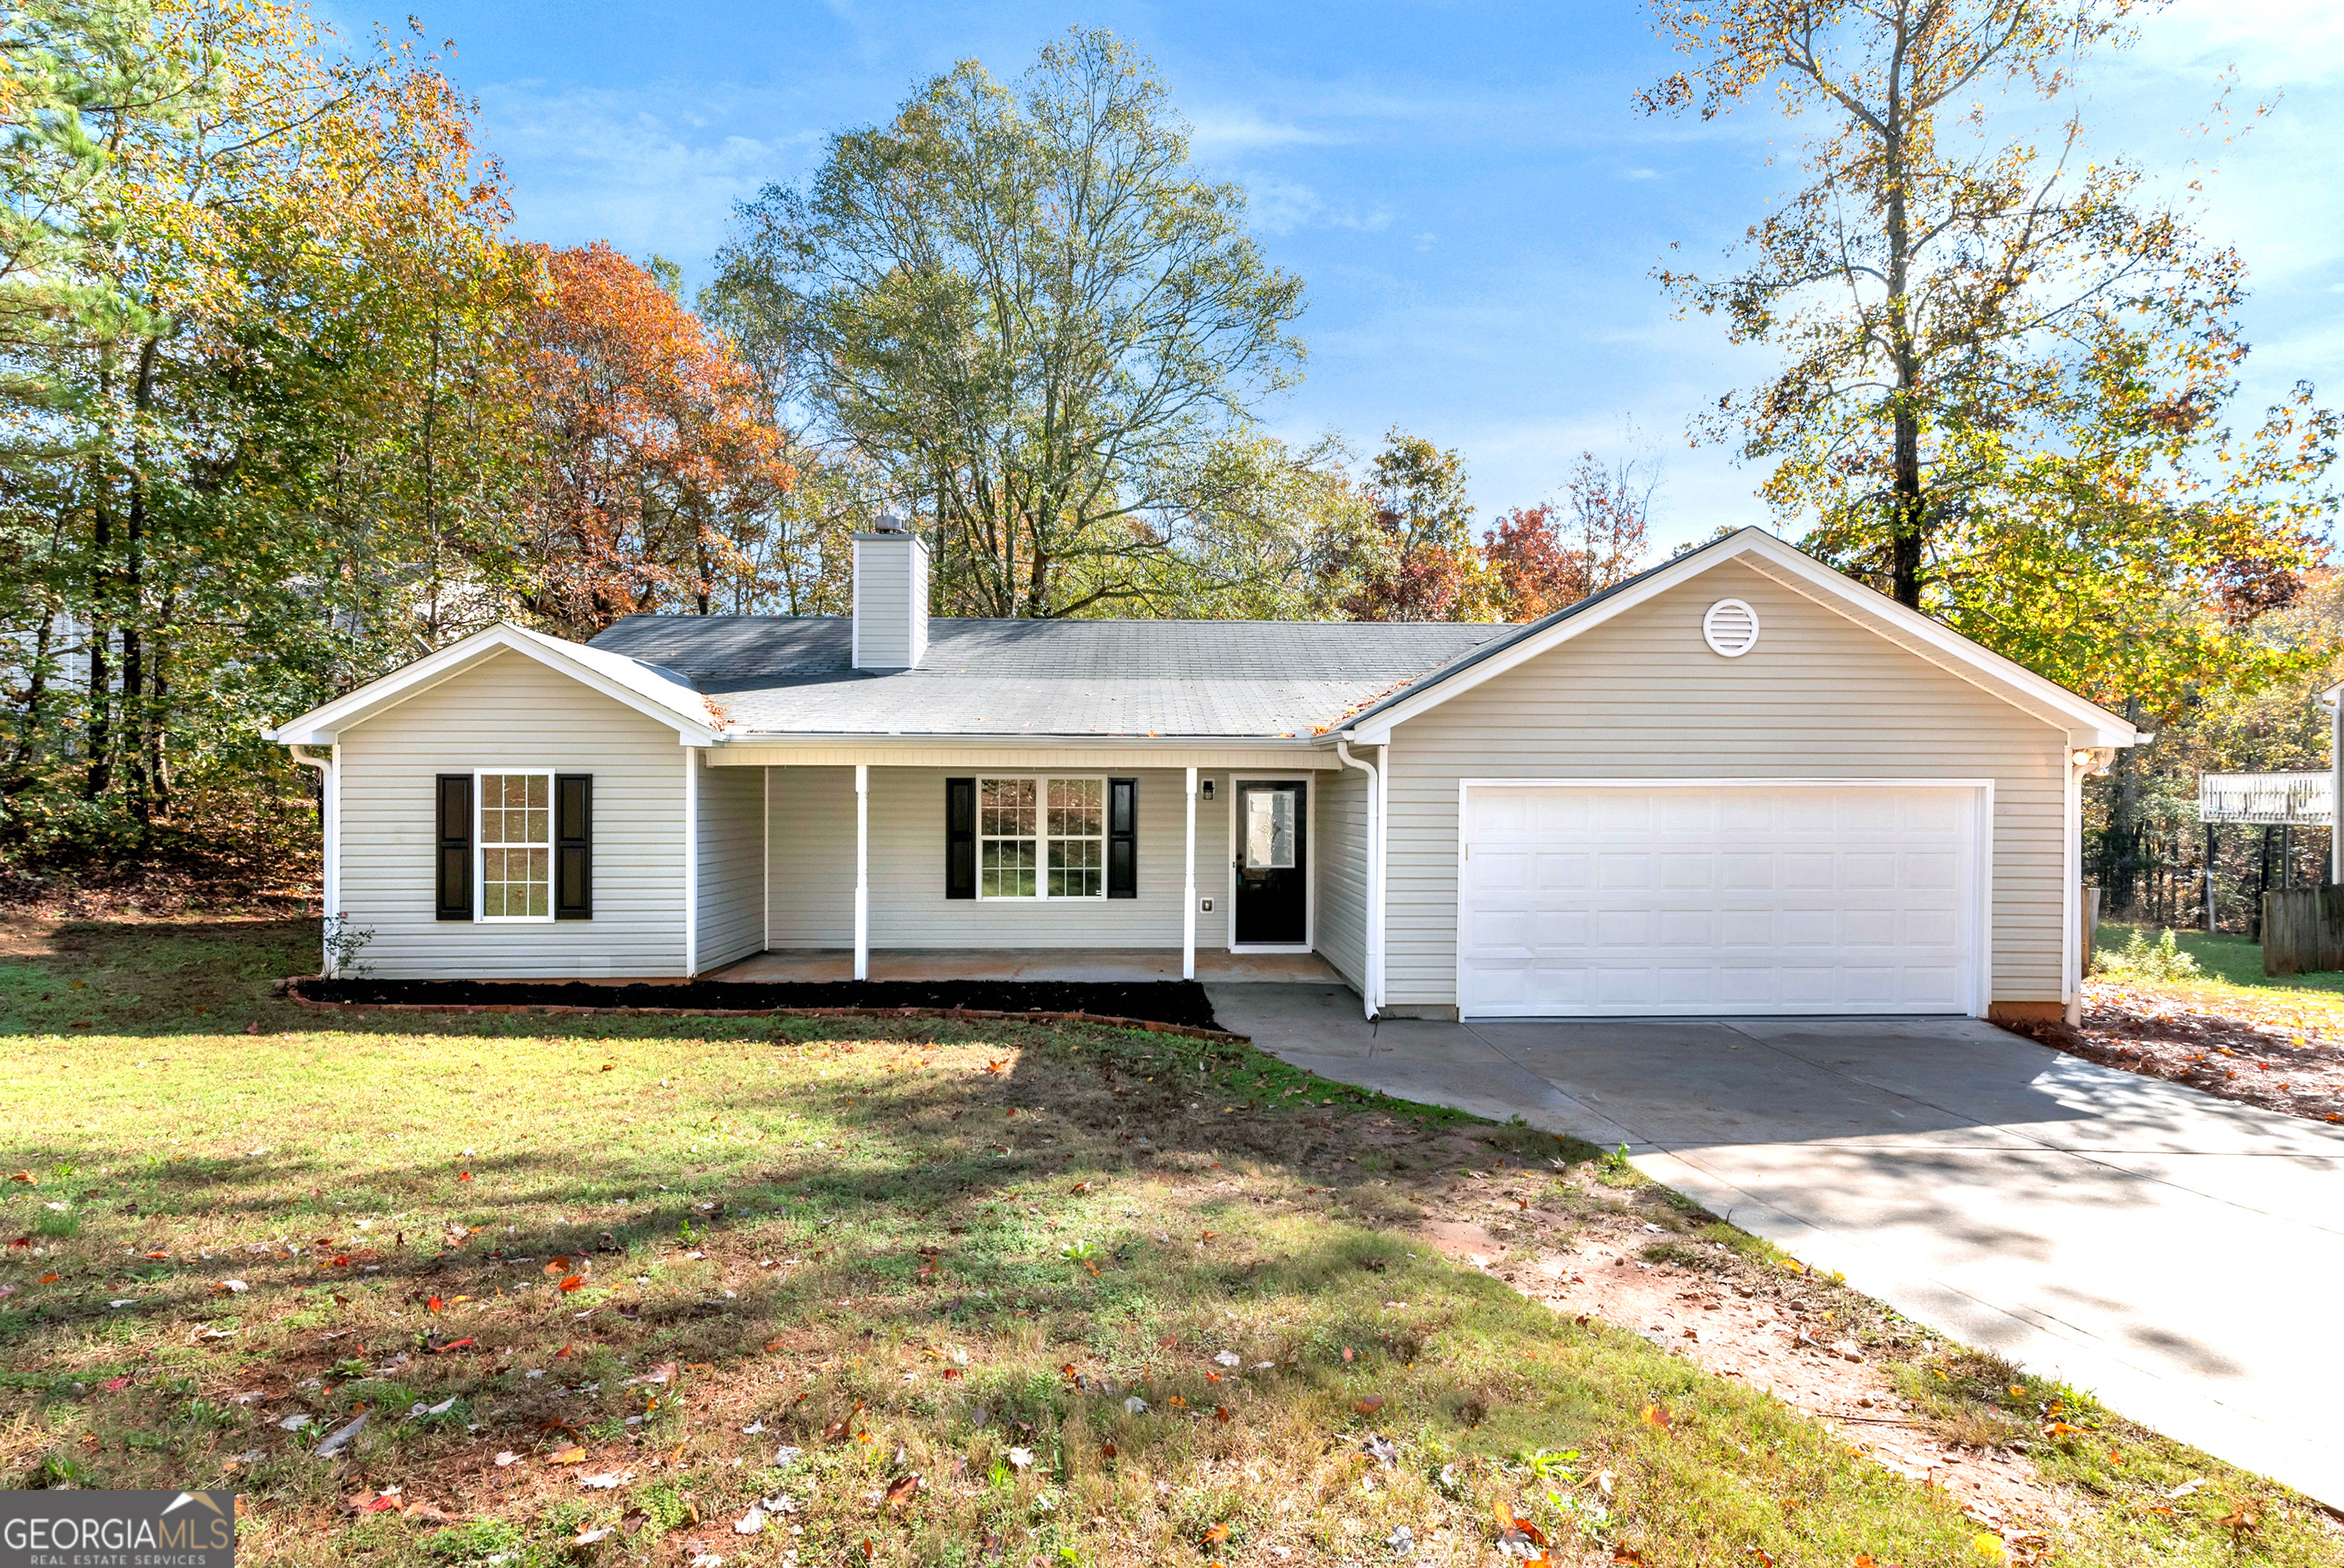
1180, 1003
2275, 1058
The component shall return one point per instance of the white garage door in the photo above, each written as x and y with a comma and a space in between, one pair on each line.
1719, 899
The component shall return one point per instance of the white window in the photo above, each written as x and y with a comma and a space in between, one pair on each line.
516, 845
1040, 838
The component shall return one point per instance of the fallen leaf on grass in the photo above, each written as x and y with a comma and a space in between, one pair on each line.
902, 1490
572, 1455
340, 1439
1657, 1416
608, 1480
111, 1384
1370, 1405
507, 1458
27, 1177
1216, 1534
573, 1282
751, 1523
49, 1278
588, 1537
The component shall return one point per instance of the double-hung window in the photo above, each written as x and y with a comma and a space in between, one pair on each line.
516, 846
1041, 837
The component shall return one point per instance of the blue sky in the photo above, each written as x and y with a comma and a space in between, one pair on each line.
1474, 204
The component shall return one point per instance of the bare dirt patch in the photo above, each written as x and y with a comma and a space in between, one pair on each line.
1596, 1244
2274, 1055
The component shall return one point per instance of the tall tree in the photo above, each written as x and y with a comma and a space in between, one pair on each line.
1420, 561
2006, 368
170, 454
1023, 308
659, 469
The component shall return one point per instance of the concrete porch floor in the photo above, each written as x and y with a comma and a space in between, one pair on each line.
1120, 966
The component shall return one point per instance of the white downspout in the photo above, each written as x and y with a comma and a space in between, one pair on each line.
330, 813
1371, 962
1189, 892
863, 871
691, 861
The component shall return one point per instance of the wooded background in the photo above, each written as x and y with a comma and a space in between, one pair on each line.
286, 403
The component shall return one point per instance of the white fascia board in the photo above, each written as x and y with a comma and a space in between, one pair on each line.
1818, 582
322, 724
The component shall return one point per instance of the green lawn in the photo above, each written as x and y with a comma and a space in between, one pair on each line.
1012, 1294
2225, 959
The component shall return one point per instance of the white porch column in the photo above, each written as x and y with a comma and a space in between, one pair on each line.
1189, 891
863, 871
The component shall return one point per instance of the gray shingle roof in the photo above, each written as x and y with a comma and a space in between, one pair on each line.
782, 675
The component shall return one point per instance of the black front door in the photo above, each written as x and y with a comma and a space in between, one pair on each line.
1273, 898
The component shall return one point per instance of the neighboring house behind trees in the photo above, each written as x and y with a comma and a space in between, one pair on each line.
1737, 784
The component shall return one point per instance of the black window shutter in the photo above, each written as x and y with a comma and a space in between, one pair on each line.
960, 838
573, 846
1123, 838
455, 895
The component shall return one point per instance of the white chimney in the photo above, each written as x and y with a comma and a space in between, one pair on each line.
890, 597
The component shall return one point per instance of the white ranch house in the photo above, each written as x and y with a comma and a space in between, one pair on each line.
1740, 784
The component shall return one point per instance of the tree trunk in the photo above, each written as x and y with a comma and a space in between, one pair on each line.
28, 720
136, 718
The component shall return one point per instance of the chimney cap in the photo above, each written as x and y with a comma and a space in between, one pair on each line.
888, 523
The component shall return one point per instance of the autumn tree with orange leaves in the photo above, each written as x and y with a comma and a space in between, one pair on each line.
658, 466
1548, 558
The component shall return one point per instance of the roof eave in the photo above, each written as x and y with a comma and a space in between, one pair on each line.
323, 724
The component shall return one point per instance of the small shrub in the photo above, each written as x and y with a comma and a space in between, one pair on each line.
2141, 959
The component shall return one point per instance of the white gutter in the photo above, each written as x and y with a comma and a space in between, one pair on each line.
330, 890
1372, 961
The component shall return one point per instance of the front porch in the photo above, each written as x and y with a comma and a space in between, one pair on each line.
1115, 966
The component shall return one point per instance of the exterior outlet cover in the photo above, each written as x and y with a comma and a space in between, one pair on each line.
1205, 905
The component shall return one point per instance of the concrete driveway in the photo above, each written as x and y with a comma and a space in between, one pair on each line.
2179, 1256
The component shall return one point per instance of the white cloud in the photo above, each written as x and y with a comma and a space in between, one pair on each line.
1234, 130
648, 169
1281, 206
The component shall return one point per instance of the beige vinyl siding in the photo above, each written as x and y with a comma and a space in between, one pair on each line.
514, 713
812, 880
891, 603
732, 866
1341, 835
1642, 697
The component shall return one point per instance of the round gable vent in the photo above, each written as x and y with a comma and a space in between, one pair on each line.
1730, 628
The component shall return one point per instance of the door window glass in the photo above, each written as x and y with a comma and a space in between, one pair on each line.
1269, 830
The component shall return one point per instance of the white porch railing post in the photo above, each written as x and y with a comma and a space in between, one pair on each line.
863, 871
1189, 892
